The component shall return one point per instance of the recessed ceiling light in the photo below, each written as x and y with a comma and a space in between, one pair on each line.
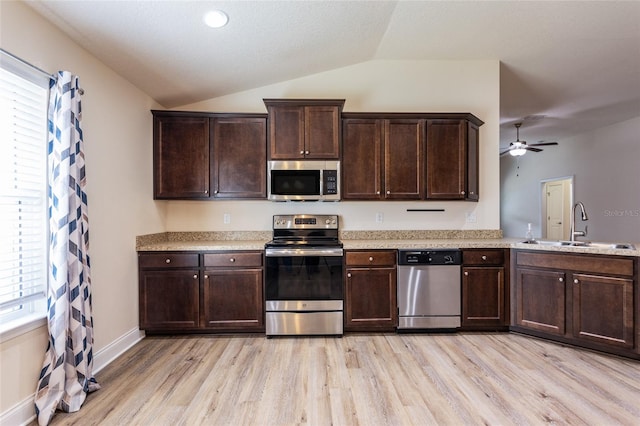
216, 19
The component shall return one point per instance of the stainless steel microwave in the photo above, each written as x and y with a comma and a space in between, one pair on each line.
304, 180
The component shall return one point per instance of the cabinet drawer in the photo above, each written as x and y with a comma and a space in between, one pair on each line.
167, 260
600, 264
371, 258
483, 257
233, 259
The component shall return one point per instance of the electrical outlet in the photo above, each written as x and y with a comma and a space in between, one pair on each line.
471, 217
379, 217
226, 218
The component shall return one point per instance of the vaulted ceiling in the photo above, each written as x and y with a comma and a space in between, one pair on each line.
566, 67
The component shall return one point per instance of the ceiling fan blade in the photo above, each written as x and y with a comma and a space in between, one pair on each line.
504, 152
529, 148
544, 144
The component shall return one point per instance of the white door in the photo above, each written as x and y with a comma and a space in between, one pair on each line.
557, 209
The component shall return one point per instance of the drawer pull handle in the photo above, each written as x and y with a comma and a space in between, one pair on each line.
168, 261
466, 274
576, 281
349, 275
195, 276
561, 279
484, 257
232, 260
370, 258
206, 277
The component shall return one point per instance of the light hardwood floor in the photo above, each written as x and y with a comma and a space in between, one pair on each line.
369, 380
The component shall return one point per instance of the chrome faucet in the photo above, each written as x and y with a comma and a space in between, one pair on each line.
584, 217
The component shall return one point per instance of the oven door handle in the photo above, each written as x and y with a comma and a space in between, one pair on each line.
280, 252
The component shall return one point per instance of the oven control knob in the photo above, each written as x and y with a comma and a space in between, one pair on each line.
328, 221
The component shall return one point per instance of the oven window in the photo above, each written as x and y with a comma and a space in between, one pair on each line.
295, 182
303, 278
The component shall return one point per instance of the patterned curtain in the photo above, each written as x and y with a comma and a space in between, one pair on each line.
67, 373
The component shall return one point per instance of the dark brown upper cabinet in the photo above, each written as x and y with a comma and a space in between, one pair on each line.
452, 159
304, 128
239, 157
410, 156
209, 155
180, 155
382, 158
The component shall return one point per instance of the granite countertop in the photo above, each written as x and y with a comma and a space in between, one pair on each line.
353, 240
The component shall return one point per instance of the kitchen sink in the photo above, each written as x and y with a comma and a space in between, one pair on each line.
618, 246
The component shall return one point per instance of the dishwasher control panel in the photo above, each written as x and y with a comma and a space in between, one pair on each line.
430, 257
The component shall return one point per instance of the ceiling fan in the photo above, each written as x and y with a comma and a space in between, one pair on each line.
519, 147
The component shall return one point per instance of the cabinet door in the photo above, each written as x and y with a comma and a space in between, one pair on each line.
403, 159
371, 299
239, 157
603, 309
541, 300
322, 132
232, 299
472, 191
446, 159
180, 157
362, 159
286, 132
483, 296
169, 299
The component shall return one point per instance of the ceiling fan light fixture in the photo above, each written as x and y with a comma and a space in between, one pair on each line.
216, 19
518, 152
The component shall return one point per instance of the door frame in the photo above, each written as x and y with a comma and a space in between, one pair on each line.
568, 203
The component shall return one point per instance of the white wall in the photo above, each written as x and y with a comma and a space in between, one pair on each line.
606, 167
374, 86
117, 129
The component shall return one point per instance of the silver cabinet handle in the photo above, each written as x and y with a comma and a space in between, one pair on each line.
576, 281
484, 257
301, 152
466, 274
306, 152
388, 192
561, 279
462, 192
206, 277
349, 275
377, 192
206, 192
370, 258
168, 261
195, 276
232, 260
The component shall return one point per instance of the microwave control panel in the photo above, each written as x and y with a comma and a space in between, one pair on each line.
330, 182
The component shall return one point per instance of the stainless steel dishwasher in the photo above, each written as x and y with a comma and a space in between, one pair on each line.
429, 289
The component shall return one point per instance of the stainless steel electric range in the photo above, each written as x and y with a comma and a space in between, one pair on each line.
303, 276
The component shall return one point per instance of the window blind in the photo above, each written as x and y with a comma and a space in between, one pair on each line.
24, 93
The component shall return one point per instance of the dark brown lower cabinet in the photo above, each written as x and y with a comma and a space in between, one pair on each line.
485, 289
169, 299
233, 291
370, 290
587, 300
201, 292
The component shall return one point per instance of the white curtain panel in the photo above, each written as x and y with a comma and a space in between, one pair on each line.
67, 373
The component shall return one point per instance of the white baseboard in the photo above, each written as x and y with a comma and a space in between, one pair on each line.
23, 412
113, 350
